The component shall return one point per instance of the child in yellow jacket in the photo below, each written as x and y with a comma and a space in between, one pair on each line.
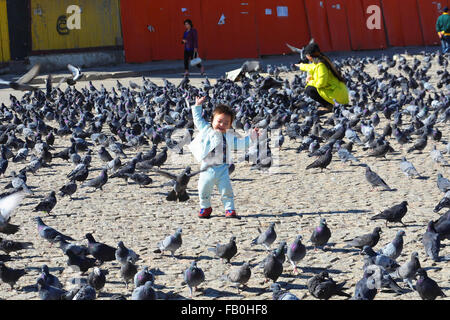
325, 84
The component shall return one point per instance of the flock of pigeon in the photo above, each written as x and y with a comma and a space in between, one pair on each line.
112, 124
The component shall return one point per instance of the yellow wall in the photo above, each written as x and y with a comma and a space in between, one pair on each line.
4, 35
100, 24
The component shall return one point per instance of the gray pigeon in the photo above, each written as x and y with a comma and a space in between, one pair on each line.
273, 268
122, 253
68, 189
408, 270
97, 278
345, 155
369, 239
320, 234
239, 276
296, 252
266, 238
394, 249
437, 157
443, 183
444, 203
49, 278
431, 242
171, 243
85, 292
48, 292
365, 289
375, 180
193, 277
144, 292
128, 270
371, 257
381, 279
143, 276
408, 168
225, 251
323, 287
98, 182
48, 233
278, 294
427, 288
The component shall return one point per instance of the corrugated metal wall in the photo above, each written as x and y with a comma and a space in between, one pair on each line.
99, 25
4, 36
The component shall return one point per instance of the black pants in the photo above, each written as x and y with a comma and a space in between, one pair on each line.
188, 56
314, 94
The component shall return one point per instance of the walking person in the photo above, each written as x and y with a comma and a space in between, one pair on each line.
443, 30
325, 83
190, 40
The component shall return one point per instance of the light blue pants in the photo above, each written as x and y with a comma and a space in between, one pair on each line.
215, 176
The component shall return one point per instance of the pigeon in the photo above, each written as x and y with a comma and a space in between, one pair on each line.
97, 278
408, 168
296, 252
85, 292
369, 239
278, 294
79, 263
180, 183
345, 155
49, 292
48, 233
420, 144
431, 242
408, 270
193, 277
22, 83
323, 287
98, 182
371, 257
76, 249
393, 214
128, 270
322, 162
68, 189
7, 206
140, 178
273, 268
142, 277
444, 203
239, 276
49, 278
10, 275
122, 254
443, 183
75, 76
364, 289
320, 234
381, 279
426, 287
266, 238
47, 204
100, 251
375, 180
393, 249
437, 156
171, 243
144, 292
225, 251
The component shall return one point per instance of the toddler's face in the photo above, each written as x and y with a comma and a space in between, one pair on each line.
221, 122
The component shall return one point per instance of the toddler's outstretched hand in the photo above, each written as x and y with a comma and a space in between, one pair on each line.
255, 133
199, 100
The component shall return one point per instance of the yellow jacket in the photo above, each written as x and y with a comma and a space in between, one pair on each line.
327, 85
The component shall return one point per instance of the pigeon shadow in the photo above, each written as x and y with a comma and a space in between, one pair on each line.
195, 258
213, 293
389, 190
29, 288
256, 290
295, 276
51, 269
317, 270
242, 180
291, 286
80, 198
422, 178
336, 212
343, 250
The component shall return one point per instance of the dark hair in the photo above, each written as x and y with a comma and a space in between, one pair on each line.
445, 9
313, 50
189, 21
223, 109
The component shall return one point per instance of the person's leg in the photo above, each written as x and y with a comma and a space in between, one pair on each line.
225, 188
314, 94
186, 62
206, 183
445, 44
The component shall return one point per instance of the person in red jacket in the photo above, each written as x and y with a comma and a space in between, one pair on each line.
190, 40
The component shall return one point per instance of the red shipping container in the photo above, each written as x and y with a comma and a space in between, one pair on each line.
429, 11
337, 23
279, 23
402, 22
229, 29
365, 34
136, 35
318, 23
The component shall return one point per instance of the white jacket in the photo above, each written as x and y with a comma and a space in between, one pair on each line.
207, 138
